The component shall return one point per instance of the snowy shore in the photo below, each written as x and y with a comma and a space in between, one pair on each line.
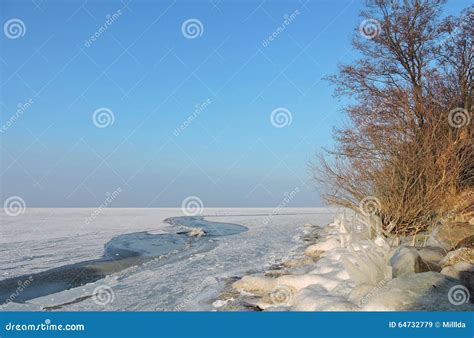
344, 268
297, 260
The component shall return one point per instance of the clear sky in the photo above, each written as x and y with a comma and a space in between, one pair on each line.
190, 101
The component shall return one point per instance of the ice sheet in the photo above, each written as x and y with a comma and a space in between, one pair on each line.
42, 239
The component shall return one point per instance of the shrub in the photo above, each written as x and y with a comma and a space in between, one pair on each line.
408, 143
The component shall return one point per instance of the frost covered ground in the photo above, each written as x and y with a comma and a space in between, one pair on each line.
225, 260
44, 239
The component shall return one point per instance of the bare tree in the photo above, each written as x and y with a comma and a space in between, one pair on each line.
408, 141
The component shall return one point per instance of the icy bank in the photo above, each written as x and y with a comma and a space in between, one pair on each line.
354, 271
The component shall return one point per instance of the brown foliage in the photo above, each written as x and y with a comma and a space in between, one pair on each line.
402, 145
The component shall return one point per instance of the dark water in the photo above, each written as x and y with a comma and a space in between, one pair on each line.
120, 253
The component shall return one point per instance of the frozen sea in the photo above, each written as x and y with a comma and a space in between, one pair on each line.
57, 259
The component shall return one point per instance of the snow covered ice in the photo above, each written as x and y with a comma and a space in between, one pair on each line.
187, 276
302, 259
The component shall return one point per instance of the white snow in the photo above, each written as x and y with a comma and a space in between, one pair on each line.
42, 239
271, 265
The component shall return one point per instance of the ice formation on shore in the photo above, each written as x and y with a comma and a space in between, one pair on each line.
353, 272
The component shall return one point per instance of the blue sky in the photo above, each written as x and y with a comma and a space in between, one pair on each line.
145, 72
